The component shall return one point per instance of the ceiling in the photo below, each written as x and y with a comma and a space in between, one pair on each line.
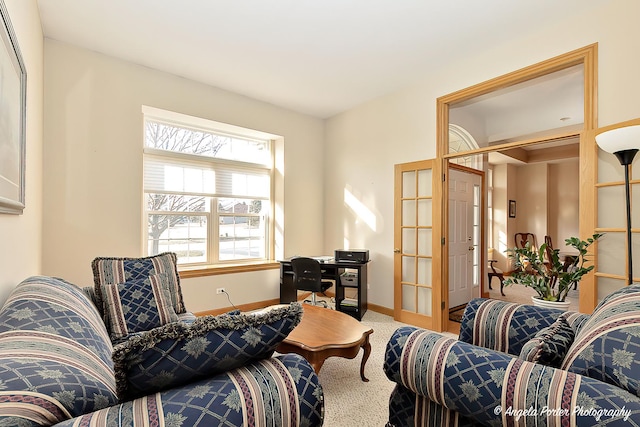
316, 57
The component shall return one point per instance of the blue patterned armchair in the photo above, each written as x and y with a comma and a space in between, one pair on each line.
521, 365
59, 364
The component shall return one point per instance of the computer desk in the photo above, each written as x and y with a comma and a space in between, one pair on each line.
331, 270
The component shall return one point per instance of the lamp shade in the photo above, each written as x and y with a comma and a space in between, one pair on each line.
619, 139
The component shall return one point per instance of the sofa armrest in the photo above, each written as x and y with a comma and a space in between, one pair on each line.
280, 391
503, 326
492, 387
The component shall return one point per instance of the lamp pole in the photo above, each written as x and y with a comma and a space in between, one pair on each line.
626, 158
623, 142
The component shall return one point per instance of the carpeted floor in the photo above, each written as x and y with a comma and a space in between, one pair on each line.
348, 400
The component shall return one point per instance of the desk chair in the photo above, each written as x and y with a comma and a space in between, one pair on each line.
307, 276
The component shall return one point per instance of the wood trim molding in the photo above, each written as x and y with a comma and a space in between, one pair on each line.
587, 56
214, 270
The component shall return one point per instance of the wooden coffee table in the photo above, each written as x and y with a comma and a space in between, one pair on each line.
323, 333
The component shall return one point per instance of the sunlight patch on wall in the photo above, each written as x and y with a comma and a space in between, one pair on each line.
362, 212
502, 242
345, 244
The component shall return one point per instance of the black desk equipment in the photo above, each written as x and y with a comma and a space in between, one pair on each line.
351, 285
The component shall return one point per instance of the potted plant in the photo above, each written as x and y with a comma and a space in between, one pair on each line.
543, 271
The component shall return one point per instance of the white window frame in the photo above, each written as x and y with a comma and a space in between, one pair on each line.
212, 215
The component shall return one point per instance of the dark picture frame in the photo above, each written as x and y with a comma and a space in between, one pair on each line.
512, 208
13, 117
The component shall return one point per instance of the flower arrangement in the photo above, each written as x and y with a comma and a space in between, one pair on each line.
543, 271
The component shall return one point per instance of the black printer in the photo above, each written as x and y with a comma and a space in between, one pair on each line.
352, 255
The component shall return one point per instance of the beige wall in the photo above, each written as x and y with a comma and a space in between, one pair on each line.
564, 201
21, 247
532, 188
93, 166
401, 126
548, 201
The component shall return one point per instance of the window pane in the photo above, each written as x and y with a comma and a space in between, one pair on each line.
240, 206
167, 174
409, 184
177, 203
241, 237
186, 235
163, 136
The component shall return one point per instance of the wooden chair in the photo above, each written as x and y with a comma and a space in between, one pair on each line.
521, 240
496, 272
568, 259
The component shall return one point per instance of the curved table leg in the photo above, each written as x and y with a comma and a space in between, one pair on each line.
366, 346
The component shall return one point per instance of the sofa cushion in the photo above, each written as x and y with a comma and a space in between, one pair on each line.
550, 345
607, 347
55, 354
111, 271
178, 353
137, 305
279, 391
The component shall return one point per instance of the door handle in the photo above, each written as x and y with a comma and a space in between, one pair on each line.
396, 251
471, 248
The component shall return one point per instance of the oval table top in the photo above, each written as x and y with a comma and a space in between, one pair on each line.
323, 328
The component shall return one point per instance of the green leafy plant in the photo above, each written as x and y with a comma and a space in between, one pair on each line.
542, 270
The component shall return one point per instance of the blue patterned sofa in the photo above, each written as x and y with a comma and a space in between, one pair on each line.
518, 365
59, 366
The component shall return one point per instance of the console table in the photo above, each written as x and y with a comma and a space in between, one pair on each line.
356, 280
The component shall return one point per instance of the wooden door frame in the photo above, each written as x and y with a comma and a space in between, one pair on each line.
587, 57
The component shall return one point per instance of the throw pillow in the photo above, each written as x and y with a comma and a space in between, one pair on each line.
608, 344
137, 305
180, 353
549, 346
111, 271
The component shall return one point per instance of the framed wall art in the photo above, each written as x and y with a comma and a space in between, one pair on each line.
13, 100
512, 208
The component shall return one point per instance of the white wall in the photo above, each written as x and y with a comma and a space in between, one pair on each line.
20, 235
401, 126
93, 166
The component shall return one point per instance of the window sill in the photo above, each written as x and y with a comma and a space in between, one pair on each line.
214, 270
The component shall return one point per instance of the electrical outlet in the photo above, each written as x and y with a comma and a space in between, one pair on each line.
221, 291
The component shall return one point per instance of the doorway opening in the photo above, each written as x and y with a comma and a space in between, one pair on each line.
516, 145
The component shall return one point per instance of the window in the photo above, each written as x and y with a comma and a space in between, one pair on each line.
207, 190
461, 141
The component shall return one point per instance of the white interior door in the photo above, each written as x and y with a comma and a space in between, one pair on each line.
463, 235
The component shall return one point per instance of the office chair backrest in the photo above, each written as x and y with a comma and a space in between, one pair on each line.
307, 274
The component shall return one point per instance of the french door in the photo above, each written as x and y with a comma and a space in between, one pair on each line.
416, 256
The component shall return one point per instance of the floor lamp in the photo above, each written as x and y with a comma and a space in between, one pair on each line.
624, 143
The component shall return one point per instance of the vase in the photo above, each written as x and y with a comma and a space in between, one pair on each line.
558, 305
